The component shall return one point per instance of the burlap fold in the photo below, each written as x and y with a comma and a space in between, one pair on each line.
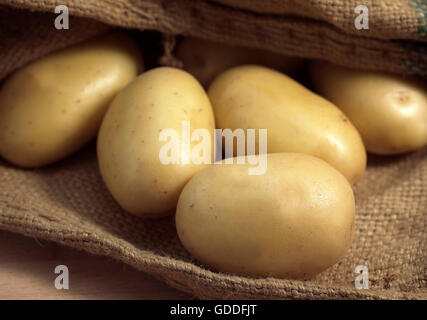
68, 203
396, 40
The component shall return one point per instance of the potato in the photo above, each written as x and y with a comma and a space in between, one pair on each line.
389, 111
293, 222
206, 59
55, 105
296, 119
130, 146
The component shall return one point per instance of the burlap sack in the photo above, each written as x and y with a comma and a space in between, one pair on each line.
68, 203
306, 28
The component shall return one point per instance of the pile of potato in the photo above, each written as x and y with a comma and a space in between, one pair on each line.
293, 221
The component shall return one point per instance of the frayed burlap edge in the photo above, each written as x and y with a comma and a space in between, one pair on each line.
182, 275
188, 277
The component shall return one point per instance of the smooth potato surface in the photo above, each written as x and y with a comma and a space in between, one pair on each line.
129, 146
55, 105
389, 111
296, 119
293, 222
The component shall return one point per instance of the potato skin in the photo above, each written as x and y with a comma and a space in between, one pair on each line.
389, 111
293, 222
129, 146
55, 105
206, 59
297, 120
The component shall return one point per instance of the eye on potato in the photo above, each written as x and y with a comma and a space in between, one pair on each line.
55, 105
296, 119
389, 111
129, 145
293, 222
206, 59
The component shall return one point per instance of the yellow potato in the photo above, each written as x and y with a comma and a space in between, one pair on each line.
206, 59
129, 146
293, 222
389, 111
55, 105
296, 119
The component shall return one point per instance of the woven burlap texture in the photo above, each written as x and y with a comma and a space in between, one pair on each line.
321, 29
69, 204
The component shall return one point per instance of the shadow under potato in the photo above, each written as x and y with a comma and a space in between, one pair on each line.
71, 191
387, 160
70, 200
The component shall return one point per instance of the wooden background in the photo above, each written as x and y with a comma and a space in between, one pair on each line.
27, 272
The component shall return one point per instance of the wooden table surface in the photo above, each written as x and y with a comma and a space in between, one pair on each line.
27, 272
